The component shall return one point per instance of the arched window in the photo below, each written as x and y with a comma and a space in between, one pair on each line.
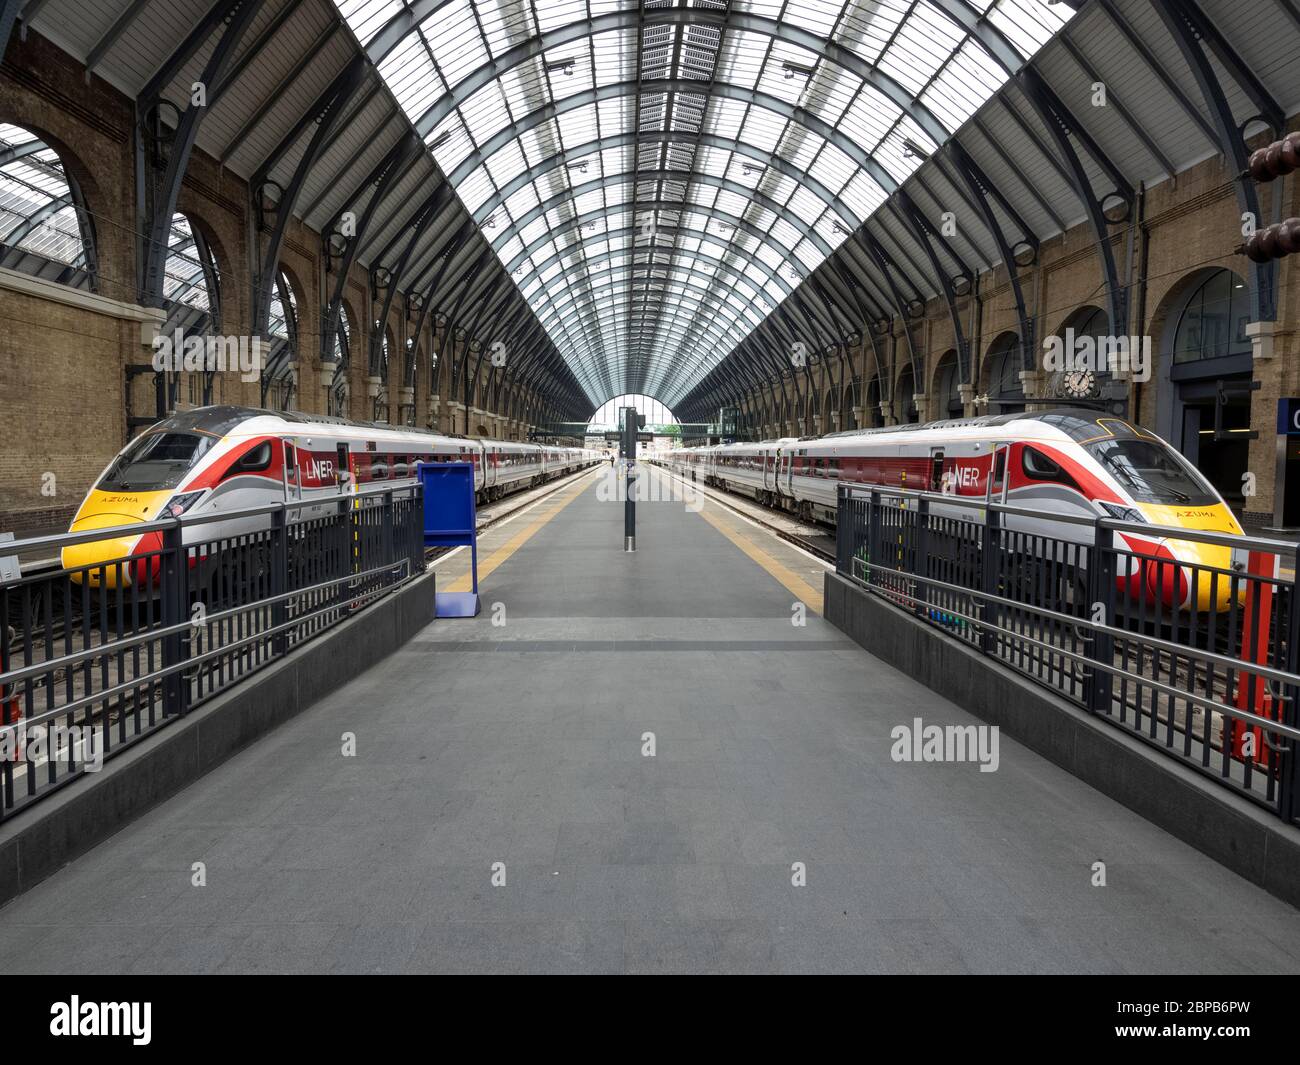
45, 229
851, 400
1213, 322
1005, 391
407, 409
945, 387
342, 361
905, 410
192, 295
1092, 385
379, 408
282, 355
871, 412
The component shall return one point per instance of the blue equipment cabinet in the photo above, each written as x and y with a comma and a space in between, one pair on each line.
449, 521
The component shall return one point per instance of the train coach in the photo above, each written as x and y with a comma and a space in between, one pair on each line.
225, 458
1072, 463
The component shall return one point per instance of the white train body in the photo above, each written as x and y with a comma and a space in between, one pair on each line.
216, 459
1066, 462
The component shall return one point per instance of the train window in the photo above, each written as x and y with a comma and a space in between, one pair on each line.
1152, 472
155, 461
259, 458
1040, 467
998, 480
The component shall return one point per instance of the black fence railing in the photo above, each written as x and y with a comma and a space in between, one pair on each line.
96, 656
1185, 639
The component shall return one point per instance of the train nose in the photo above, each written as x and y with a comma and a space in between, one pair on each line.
94, 562
103, 553
1184, 574
1191, 574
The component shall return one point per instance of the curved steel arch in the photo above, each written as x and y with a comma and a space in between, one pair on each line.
559, 311
786, 32
722, 263
825, 313
770, 161
580, 220
606, 255
724, 90
633, 177
610, 291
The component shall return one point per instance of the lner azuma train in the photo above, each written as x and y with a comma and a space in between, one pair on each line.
1060, 462
214, 459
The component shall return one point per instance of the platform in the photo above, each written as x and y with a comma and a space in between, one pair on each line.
517, 737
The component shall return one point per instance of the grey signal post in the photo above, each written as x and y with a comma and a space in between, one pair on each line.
631, 422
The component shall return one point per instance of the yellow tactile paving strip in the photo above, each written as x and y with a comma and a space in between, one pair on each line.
798, 573
501, 541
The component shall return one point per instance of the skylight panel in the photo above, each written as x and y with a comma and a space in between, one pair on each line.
925, 42
410, 74
453, 37
817, 17
485, 113
1027, 24
368, 17
506, 164
913, 42
962, 87
450, 142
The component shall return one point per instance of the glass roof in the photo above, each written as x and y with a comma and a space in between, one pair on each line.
658, 176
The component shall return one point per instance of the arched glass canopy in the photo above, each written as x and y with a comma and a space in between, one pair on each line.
607, 417
657, 179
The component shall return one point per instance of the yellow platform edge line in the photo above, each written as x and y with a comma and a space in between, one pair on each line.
503, 553
798, 587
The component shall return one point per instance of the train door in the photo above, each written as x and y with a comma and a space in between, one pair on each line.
292, 482
997, 486
769, 472
343, 472
936, 469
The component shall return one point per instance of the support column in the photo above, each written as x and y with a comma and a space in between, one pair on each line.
966, 393
1034, 384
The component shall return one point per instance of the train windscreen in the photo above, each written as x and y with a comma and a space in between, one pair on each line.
1153, 472
155, 462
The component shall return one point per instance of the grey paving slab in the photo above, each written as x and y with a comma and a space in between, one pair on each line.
517, 750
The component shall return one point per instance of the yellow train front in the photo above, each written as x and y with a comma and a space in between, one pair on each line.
140, 485
1158, 486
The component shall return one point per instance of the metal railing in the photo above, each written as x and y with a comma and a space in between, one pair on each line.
95, 657
1186, 640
